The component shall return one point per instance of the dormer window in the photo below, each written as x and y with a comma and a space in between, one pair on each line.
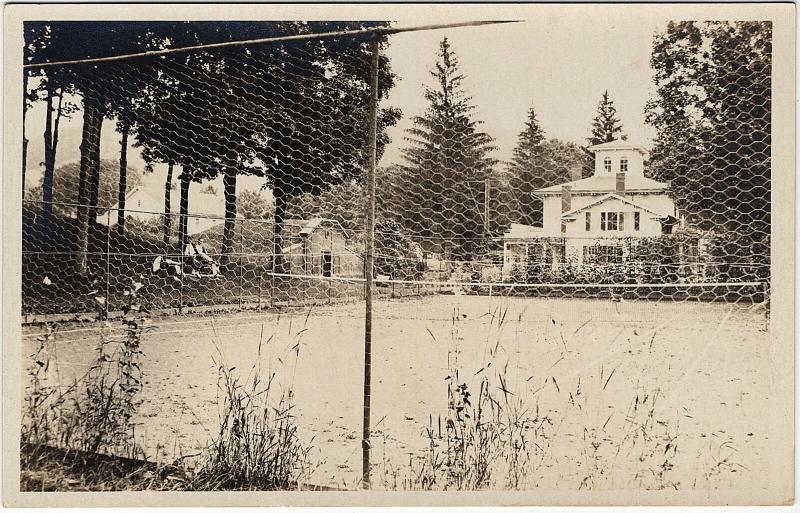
607, 164
623, 165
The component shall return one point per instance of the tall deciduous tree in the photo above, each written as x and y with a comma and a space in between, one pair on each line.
446, 164
51, 86
712, 115
99, 87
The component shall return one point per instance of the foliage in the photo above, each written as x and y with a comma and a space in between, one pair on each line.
492, 440
250, 110
252, 205
343, 202
65, 177
712, 114
606, 127
95, 413
257, 447
446, 160
551, 162
396, 254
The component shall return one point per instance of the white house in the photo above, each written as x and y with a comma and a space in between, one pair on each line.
206, 208
585, 220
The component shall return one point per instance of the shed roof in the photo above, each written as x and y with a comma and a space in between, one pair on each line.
308, 226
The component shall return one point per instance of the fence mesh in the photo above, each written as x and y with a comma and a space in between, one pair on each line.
610, 221
689, 220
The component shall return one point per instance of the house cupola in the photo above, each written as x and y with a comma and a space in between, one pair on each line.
618, 158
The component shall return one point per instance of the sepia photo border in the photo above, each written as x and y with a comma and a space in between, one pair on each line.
781, 347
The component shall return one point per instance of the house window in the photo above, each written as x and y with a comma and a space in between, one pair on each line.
623, 165
636, 221
615, 221
607, 164
609, 221
588, 221
602, 254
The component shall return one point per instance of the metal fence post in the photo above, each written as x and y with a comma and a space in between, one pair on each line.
259, 291
182, 225
373, 132
241, 264
108, 263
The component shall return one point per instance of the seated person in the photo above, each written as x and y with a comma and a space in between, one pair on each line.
165, 266
198, 259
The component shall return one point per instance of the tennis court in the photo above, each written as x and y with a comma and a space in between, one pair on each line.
578, 362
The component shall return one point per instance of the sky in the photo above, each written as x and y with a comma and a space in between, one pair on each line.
558, 64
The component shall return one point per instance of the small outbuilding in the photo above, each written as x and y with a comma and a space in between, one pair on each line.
321, 247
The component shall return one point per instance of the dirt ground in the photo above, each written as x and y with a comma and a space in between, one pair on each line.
588, 365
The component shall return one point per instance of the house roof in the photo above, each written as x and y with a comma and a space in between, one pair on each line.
618, 145
607, 197
522, 231
308, 226
607, 183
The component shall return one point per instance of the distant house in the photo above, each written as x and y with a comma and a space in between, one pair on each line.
320, 247
206, 208
585, 221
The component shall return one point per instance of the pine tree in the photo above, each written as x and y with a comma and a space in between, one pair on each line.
605, 126
446, 162
524, 172
528, 142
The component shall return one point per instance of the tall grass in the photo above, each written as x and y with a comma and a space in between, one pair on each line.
495, 436
257, 445
85, 435
488, 440
95, 412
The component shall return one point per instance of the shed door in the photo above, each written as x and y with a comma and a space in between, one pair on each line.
327, 264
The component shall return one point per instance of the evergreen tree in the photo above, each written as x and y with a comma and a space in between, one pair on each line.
551, 162
446, 163
605, 126
522, 171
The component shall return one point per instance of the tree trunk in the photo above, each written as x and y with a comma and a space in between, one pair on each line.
123, 179
94, 156
229, 182
184, 209
24, 139
50, 148
89, 177
49, 161
279, 194
82, 211
168, 205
